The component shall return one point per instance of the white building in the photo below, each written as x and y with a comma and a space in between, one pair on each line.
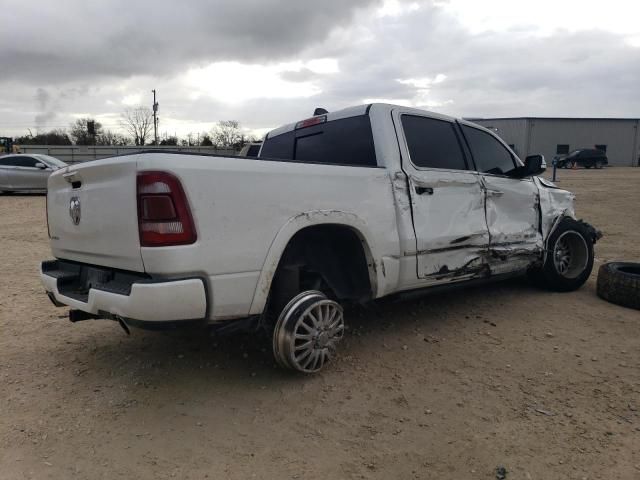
618, 137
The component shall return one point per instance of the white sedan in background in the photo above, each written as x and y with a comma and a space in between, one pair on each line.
27, 172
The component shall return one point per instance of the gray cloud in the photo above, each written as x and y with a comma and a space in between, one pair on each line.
516, 72
43, 103
120, 38
492, 73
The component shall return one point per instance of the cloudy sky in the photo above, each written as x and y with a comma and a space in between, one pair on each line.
268, 62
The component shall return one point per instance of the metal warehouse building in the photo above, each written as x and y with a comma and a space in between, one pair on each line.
618, 137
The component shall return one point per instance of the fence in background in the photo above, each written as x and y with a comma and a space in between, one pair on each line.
82, 153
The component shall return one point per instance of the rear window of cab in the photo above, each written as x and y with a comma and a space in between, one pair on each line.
347, 141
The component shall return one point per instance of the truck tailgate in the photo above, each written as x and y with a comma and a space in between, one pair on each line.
92, 214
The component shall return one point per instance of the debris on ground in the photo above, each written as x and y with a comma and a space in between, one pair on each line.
501, 473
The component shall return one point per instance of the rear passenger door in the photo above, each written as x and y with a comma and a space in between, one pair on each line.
446, 197
512, 204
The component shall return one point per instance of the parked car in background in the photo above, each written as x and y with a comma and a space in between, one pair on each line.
584, 157
343, 207
26, 172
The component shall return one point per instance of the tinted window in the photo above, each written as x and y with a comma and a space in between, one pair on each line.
342, 142
280, 146
253, 151
488, 153
19, 161
28, 161
432, 143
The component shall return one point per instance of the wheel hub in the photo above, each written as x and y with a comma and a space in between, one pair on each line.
307, 332
570, 254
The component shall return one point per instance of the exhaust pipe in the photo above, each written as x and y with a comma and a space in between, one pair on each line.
79, 316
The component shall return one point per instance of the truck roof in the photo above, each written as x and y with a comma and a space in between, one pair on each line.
383, 108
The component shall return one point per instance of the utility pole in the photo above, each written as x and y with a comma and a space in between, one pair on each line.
155, 118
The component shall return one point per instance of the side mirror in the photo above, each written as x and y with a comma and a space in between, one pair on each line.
41, 166
534, 165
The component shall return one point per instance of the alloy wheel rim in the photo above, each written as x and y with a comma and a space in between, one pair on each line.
316, 335
570, 254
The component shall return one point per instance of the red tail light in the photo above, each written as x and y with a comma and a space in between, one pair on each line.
164, 217
310, 122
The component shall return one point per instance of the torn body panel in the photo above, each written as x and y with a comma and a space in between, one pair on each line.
555, 203
449, 221
513, 216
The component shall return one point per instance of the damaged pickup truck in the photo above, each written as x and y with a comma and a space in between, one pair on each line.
343, 207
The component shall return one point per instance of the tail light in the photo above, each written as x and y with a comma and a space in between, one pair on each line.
310, 122
164, 217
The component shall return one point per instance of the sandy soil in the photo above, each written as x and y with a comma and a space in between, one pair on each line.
450, 386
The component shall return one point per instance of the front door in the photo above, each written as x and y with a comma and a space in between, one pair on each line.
512, 204
26, 176
446, 197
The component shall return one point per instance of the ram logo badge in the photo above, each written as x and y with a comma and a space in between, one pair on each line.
74, 210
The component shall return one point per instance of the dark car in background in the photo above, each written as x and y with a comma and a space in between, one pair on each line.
584, 157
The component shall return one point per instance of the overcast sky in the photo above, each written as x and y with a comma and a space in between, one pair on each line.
269, 62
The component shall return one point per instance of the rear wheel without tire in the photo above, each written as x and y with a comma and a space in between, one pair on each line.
308, 331
569, 258
619, 283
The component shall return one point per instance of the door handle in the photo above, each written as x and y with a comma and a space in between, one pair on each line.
423, 190
494, 193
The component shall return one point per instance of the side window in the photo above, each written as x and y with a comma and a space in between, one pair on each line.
12, 161
280, 146
432, 143
21, 161
253, 151
29, 161
488, 153
602, 148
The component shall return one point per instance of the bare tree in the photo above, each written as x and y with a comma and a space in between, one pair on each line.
206, 140
138, 122
111, 138
79, 131
227, 134
52, 137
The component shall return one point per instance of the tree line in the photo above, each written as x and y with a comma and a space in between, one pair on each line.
138, 125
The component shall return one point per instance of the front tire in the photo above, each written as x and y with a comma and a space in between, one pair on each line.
569, 259
307, 332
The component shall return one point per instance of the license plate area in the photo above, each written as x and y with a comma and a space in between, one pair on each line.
74, 280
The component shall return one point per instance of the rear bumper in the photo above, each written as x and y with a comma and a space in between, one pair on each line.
142, 299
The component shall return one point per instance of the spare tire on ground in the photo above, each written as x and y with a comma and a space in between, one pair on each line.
619, 283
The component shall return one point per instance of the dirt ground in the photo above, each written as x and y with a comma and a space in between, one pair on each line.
449, 386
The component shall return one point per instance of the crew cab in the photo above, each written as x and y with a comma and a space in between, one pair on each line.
348, 206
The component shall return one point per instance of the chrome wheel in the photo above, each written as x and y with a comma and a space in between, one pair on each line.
308, 332
570, 254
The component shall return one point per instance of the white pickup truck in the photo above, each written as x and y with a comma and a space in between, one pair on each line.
347, 206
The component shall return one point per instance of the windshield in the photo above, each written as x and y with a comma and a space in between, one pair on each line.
53, 161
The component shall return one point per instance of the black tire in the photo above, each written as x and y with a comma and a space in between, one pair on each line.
619, 283
579, 241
